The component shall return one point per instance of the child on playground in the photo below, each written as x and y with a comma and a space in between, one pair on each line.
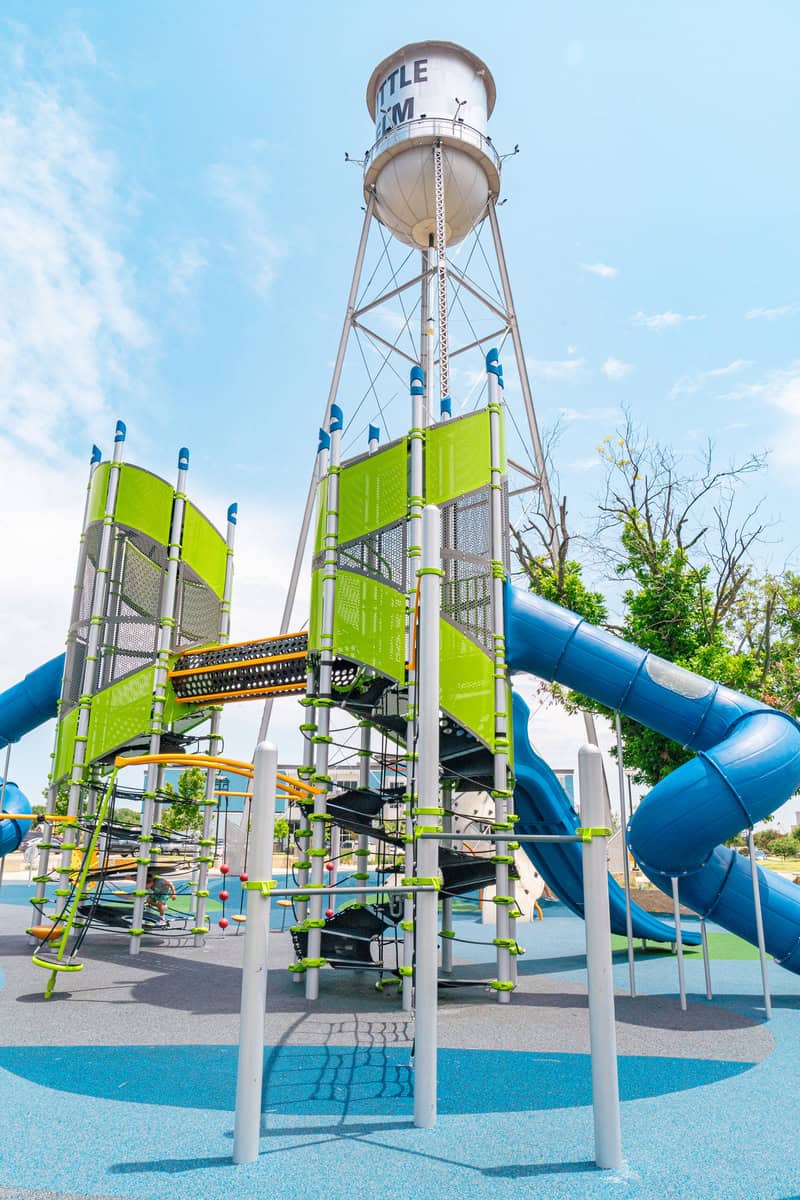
158, 889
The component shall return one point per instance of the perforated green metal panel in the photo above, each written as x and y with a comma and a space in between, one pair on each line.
466, 685
322, 504
373, 492
98, 492
120, 712
204, 549
315, 620
144, 502
65, 750
457, 457
369, 623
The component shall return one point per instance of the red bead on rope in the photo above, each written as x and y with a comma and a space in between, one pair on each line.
223, 923
329, 866
224, 895
224, 869
329, 913
244, 878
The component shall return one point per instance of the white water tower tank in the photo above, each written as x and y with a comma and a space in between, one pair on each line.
431, 92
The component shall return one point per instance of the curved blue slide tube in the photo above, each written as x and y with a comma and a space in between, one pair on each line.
23, 707
747, 764
543, 806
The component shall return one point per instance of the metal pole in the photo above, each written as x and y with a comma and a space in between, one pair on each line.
626, 872
166, 634
504, 900
322, 738
676, 912
762, 951
441, 278
250, 1068
332, 394
706, 960
416, 501
427, 817
91, 669
602, 1029
207, 842
524, 381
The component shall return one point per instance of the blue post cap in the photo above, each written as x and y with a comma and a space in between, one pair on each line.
493, 363
500, 379
232, 511
374, 434
120, 432
97, 454
183, 459
337, 418
417, 381
445, 407
324, 441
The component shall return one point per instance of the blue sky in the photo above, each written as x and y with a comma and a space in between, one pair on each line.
177, 228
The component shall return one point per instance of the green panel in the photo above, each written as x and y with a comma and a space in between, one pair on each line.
322, 504
144, 502
373, 492
457, 457
204, 549
120, 712
369, 624
467, 683
315, 620
98, 492
65, 750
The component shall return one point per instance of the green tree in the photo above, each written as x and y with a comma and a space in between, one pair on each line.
183, 812
786, 847
281, 830
127, 816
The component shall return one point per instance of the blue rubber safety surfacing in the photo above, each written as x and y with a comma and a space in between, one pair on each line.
348, 1081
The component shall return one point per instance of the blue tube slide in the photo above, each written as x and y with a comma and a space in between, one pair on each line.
23, 707
543, 806
747, 764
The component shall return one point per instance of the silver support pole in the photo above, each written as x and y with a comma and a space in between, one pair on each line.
427, 336
364, 764
288, 607
522, 370
505, 902
207, 842
250, 1068
676, 912
166, 634
626, 872
762, 950
447, 931
600, 979
706, 960
428, 814
92, 663
3, 803
441, 276
322, 738
416, 501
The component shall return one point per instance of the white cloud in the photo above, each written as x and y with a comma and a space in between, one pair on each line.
555, 370
614, 369
602, 269
567, 416
664, 320
585, 464
779, 390
182, 265
687, 385
242, 189
67, 323
771, 314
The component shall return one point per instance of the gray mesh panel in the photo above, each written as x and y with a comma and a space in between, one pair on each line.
199, 610
467, 587
381, 555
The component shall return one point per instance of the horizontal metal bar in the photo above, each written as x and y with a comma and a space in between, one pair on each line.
503, 837
351, 891
490, 337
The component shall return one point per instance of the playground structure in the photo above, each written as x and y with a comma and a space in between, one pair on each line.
414, 634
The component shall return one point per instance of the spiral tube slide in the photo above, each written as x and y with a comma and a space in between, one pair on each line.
542, 806
747, 764
23, 707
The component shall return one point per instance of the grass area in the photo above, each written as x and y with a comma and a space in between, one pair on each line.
720, 946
